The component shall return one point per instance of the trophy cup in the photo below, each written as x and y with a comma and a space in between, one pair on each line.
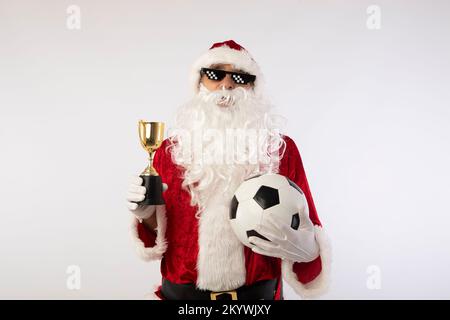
151, 135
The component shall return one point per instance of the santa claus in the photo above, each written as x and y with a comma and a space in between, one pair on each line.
201, 257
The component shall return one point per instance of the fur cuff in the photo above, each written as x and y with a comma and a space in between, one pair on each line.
156, 252
320, 284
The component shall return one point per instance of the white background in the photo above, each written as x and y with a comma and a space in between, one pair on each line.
368, 109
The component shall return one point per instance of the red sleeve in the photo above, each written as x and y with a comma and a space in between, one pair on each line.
305, 271
147, 237
296, 172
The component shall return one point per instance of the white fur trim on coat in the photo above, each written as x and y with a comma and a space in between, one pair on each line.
221, 260
241, 59
320, 284
156, 252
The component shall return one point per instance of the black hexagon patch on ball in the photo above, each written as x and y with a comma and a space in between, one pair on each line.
267, 197
295, 222
233, 207
253, 233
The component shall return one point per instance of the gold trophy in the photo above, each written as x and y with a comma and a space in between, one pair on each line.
151, 135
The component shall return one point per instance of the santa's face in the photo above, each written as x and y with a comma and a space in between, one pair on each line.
227, 83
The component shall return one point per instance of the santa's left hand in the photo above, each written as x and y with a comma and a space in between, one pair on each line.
286, 243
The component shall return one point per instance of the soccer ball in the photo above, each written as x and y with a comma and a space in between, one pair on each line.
261, 196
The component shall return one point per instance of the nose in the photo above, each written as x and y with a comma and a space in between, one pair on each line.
228, 83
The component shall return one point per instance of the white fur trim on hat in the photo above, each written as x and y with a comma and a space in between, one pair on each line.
241, 59
156, 252
320, 284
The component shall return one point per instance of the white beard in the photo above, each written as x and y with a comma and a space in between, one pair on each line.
221, 262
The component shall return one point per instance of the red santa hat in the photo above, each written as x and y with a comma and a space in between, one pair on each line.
227, 52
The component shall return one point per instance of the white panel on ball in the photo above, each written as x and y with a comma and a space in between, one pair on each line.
248, 217
247, 189
292, 198
273, 180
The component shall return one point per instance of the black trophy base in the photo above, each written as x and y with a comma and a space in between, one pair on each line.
153, 196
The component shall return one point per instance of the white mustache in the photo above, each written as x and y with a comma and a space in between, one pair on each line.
223, 97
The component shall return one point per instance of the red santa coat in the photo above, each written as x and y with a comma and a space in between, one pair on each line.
176, 240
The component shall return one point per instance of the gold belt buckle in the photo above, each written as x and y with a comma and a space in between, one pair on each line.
232, 293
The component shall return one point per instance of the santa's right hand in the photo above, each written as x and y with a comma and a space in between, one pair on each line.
136, 193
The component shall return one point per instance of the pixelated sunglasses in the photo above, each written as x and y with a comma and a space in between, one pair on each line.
218, 75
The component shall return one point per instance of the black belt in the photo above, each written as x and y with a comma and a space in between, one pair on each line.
261, 290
